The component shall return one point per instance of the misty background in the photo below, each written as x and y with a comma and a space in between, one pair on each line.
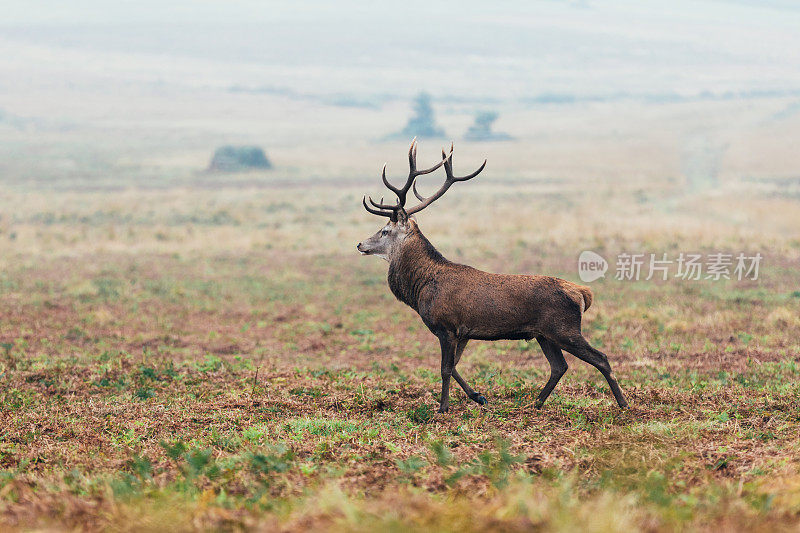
692, 94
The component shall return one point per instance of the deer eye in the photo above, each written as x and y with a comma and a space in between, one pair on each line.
384, 233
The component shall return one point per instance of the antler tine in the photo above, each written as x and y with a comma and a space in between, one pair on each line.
416, 193
447, 161
390, 214
386, 182
413, 173
412, 155
381, 205
412, 163
470, 176
448, 167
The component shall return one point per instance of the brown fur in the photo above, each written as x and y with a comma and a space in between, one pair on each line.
458, 303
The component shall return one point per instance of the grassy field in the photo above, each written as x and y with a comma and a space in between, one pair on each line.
223, 357
187, 350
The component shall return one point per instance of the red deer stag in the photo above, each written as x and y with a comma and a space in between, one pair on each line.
458, 303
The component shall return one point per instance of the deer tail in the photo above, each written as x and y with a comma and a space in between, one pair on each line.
587, 296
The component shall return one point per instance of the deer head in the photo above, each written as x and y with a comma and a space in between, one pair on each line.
388, 239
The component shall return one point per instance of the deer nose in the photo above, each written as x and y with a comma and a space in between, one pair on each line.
358, 247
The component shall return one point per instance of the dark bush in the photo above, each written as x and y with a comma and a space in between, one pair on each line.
238, 158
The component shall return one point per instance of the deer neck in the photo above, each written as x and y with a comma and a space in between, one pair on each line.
413, 267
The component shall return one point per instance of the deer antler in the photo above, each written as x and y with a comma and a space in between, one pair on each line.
393, 211
398, 210
413, 173
380, 211
447, 159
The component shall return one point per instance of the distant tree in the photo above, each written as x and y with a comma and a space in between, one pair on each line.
238, 158
423, 123
481, 129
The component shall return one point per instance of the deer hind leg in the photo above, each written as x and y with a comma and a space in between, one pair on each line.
558, 367
580, 348
474, 396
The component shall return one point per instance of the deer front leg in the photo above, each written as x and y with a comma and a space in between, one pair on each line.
448, 345
474, 396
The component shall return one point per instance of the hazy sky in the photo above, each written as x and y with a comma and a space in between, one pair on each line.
462, 49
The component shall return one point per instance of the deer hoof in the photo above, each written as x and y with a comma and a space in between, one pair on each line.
479, 399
